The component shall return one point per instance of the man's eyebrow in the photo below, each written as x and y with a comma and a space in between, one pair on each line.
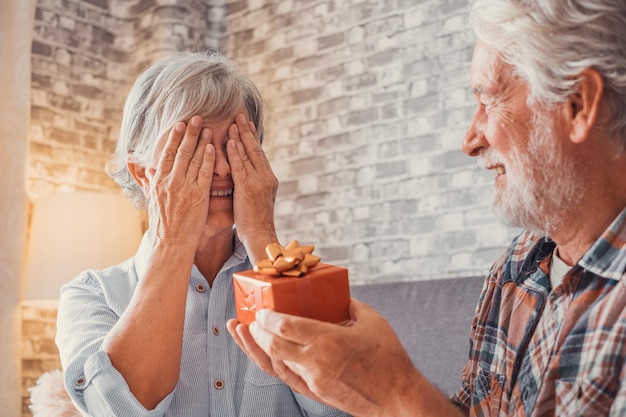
478, 90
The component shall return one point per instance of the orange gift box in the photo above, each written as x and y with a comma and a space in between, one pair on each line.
323, 293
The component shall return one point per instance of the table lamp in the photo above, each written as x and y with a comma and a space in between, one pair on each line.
71, 232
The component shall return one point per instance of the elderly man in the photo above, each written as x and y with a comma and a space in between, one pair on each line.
549, 333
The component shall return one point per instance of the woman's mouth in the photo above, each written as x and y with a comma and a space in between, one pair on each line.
222, 193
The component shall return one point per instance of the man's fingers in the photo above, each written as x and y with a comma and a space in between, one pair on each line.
297, 330
242, 337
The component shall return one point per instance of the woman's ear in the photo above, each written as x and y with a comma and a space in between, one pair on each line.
584, 104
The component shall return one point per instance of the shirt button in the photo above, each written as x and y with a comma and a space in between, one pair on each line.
80, 381
200, 288
218, 384
216, 331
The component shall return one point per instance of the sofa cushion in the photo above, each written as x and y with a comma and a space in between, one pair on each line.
432, 319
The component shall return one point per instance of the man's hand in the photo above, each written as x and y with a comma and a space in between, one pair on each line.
355, 367
360, 368
255, 188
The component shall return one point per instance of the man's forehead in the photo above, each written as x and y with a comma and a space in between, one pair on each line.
488, 69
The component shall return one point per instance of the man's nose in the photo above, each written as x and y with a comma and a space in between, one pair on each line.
475, 142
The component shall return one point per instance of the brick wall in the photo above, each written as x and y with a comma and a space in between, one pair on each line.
85, 55
39, 352
369, 101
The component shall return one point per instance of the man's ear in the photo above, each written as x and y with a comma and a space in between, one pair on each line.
138, 172
584, 104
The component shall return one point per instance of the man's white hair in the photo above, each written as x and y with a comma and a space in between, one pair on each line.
549, 43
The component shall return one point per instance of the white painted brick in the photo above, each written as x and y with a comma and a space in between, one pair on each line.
391, 75
322, 218
356, 35
429, 204
419, 88
335, 125
360, 253
462, 179
285, 207
451, 221
356, 67
39, 98
307, 184
420, 165
419, 125
415, 17
321, 9
454, 23
67, 23
255, 4
420, 246
387, 42
452, 139
361, 213
284, 6
459, 261
365, 176
63, 57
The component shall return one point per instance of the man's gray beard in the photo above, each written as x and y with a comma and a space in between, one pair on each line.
542, 184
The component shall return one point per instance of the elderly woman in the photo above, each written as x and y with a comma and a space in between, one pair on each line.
147, 337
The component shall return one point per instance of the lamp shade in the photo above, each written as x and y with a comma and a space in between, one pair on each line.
71, 232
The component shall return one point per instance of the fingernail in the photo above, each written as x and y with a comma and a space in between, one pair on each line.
180, 127
260, 315
253, 327
196, 121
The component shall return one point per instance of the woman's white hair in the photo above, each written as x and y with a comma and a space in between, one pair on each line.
549, 42
172, 90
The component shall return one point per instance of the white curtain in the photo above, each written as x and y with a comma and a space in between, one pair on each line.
16, 27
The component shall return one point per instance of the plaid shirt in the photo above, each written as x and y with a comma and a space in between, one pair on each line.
541, 352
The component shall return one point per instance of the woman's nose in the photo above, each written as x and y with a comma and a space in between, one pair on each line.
222, 167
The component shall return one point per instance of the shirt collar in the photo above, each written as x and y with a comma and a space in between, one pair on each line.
607, 256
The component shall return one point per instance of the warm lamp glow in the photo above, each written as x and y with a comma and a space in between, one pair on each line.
71, 232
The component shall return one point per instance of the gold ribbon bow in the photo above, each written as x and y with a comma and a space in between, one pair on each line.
292, 260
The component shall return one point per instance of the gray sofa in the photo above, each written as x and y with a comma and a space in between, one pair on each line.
432, 319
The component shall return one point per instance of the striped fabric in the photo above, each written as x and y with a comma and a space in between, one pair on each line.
541, 352
216, 379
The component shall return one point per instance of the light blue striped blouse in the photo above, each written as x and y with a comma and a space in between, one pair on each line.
217, 379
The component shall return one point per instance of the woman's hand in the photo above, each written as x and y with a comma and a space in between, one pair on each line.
178, 189
255, 188
145, 345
